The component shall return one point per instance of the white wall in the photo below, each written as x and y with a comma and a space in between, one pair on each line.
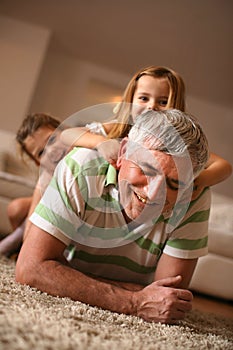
22, 49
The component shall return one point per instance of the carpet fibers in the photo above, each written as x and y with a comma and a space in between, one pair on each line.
33, 320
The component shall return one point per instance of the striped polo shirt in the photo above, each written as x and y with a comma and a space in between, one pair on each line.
81, 208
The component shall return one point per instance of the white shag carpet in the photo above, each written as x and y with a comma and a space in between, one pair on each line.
30, 319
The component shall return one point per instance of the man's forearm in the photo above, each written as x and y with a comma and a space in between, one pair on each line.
133, 287
158, 302
60, 280
41, 264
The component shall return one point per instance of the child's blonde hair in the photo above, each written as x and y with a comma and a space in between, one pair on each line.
176, 97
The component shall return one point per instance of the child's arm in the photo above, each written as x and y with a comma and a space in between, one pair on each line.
81, 137
88, 137
35, 200
217, 170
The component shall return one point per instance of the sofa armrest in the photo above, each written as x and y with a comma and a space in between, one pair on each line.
2, 161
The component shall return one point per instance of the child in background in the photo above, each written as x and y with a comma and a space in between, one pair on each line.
157, 88
36, 132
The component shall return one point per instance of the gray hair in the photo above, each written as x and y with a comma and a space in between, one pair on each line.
173, 132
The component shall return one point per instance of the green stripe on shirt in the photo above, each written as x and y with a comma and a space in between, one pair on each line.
63, 194
199, 216
114, 260
50, 216
149, 245
188, 244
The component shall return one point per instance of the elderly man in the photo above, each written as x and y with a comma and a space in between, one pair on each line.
126, 240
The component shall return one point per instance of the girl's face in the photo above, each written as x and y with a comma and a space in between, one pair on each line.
150, 93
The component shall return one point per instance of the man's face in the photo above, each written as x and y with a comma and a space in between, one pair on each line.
148, 183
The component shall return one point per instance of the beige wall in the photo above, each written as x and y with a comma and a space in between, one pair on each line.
217, 122
67, 85
22, 49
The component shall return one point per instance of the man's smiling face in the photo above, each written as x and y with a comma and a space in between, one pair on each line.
149, 183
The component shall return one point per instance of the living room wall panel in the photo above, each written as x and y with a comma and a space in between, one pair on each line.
23, 48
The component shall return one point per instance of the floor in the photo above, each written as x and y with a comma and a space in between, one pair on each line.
213, 305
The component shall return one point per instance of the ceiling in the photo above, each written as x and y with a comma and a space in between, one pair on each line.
194, 37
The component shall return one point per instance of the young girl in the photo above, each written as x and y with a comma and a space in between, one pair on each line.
36, 132
156, 88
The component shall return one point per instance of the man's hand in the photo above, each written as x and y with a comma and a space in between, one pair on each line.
162, 302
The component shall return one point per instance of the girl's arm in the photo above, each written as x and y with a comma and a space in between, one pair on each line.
87, 137
81, 137
217, 170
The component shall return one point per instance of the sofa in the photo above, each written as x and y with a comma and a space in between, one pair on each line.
17, 178
214, 273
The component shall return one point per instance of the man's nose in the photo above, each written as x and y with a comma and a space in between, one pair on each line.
156, 189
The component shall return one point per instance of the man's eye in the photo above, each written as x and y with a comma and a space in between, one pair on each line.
146, 171
150, 173
173, 186
141, 171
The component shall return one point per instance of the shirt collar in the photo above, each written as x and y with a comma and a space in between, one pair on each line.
111, 176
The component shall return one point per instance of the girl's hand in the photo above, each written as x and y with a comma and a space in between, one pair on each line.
198, 187
109, 150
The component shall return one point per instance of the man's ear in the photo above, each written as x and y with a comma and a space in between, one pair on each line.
121, 153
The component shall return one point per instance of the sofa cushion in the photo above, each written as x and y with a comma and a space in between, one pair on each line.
221, 242
221, 213
17, 179
5, 226
14, 186
221, 225
16, 166
3, 160
214, 276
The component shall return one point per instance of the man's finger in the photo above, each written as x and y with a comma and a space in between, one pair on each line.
184, 294
169, 281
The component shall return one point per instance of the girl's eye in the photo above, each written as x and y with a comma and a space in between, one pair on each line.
163, 103
143, 98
